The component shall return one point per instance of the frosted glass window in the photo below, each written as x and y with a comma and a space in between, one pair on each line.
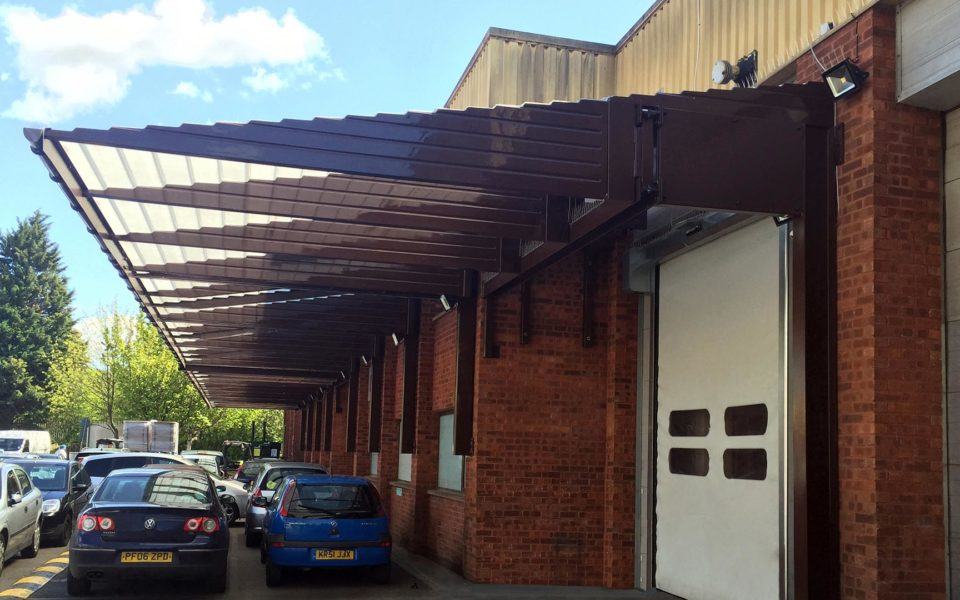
374, 463
404, 465
450, 475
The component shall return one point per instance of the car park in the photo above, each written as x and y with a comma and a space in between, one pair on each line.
61, 484
19, 514
159, 521
262, 490
326, 522
98, 466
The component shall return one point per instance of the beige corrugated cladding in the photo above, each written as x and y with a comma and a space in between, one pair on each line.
672, 49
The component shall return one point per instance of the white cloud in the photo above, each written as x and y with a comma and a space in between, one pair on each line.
265, 81
4, 76
191, 90
74, 62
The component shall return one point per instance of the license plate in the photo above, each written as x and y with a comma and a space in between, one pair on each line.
333, 554
146, 557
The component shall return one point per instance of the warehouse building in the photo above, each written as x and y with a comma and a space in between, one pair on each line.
670, 314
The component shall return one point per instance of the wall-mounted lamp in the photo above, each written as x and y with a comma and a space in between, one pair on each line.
343, 375
363, 359
395, 338
844, 78
445, 302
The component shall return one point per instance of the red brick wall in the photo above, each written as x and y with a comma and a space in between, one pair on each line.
445, 531
338, 460
536, 484
445, 363
889, 255
361, 457
291, 435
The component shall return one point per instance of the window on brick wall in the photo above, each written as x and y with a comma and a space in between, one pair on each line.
405, 464
374, 463
450, 472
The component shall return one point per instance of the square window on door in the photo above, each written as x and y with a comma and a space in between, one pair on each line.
745, 463
689, 423
745, 420
689, 461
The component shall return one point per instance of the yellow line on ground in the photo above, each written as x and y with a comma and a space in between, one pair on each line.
49, 569
33, 580
59, 561
16, 593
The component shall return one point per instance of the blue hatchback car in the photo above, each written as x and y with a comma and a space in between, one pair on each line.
326, 522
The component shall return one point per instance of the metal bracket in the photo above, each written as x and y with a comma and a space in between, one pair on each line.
588, 281
525, 312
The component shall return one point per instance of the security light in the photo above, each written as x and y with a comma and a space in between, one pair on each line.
395, 338
844, 78
363, 359
445, 302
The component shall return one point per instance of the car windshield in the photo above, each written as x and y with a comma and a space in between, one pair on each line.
47, 477
11, 444
165, 488
333, 500
274, 477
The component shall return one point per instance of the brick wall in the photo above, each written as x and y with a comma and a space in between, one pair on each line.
537, 483
889, 255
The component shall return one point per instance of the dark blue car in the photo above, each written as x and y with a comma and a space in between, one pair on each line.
326, 522
162, 521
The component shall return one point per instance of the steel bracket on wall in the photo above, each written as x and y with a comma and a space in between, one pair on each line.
490, 347
588, 290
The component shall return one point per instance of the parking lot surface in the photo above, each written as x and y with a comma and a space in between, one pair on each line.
246, 581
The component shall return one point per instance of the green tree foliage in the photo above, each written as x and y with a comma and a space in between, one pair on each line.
35, 319
126, 372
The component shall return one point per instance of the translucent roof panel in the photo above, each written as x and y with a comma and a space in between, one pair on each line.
126, 217
142, 254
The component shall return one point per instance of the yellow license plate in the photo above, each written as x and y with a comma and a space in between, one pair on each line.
146, 557
333, 554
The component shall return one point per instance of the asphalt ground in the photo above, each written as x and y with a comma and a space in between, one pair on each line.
40, 578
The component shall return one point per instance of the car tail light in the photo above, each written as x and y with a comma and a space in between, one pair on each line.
87, 523
386, 541
201, 524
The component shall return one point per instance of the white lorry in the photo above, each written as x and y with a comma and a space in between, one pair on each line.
25, 440
151, 436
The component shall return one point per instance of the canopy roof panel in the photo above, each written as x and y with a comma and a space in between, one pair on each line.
272, 255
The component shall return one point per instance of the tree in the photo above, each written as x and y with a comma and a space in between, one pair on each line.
125, 371
35, 319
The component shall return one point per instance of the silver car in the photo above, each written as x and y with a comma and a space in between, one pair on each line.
262, 490
233, 496
19, 514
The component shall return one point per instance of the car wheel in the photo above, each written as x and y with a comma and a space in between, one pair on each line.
77, 586
251, 539
67, 530
34, 547
381, 574
274, 574
263, 551
3, 551
232, 512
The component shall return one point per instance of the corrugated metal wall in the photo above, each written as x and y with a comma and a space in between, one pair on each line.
674, 50
513, 72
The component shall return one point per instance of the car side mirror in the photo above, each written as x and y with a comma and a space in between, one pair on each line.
15, 499
80, 486
246, 486
221, 488
260, 502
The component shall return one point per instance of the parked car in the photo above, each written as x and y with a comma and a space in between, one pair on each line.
61, 484
207, 463
160, 521
262, 490
205, 456
326, 521
234, 498
250, 470
99, 465
19, 515
86, 452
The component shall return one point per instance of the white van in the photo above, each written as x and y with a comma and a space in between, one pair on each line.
15, 440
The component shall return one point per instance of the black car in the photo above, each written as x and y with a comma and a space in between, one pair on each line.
159, 521
61, 483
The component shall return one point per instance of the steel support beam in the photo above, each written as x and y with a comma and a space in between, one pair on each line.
490, 347
375, 395
411, 367
328, 419
466, 369
353, 393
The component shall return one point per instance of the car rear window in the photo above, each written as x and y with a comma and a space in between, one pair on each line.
274, 477
98, 468
48, 477
334, 499
166, 488
251, 470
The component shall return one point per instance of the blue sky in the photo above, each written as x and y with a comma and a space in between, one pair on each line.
344, 57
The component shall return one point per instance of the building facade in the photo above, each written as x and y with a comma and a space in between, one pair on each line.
569, 464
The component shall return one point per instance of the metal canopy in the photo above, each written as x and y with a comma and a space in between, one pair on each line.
271, 255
